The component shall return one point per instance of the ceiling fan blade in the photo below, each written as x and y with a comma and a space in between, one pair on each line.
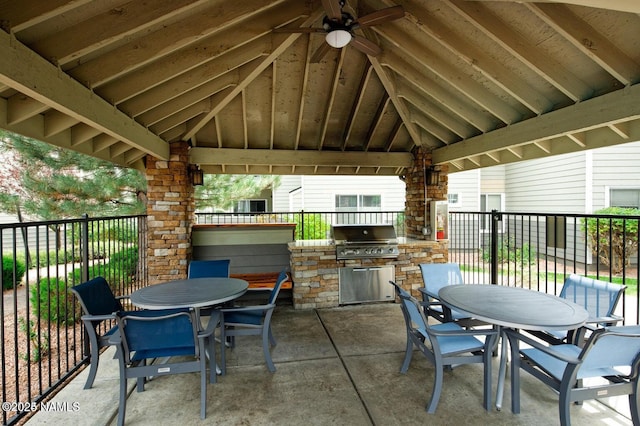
333, 8
366, 46
299, 30
380, 16
320, 53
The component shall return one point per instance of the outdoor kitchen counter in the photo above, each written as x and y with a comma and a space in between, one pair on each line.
305, 244
314, 268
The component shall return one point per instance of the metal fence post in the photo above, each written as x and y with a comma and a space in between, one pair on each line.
495, 218
84, 247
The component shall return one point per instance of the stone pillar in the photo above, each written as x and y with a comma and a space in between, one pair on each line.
418, 196
170, 214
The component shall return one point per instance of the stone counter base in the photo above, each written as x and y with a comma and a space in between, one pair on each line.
314, 270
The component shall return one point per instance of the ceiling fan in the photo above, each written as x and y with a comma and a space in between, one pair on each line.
339, 27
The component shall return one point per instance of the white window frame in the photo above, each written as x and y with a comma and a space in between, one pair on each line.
247, 202
485, 226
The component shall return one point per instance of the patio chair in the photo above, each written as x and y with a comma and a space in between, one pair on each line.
606, 366
98, 306
251, 320
435, 276
208, 268
599, 298
170, 334
445, 345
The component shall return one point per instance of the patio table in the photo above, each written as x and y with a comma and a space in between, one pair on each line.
194, 293
189, 293
515, 308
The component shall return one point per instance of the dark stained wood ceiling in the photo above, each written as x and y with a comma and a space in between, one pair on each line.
477, 82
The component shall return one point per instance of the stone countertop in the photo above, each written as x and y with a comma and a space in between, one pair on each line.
306, 244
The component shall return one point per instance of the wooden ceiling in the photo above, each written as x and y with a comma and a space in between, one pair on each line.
477, 82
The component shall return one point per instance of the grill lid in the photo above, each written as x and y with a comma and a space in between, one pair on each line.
364, 233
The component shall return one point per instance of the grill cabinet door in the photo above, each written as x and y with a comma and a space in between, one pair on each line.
359, 285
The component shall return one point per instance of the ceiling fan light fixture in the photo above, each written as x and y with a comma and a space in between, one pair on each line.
338, 38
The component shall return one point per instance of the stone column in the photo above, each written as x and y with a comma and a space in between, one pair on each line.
417, 198
170, 214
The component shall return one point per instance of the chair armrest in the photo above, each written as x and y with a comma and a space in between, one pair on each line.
123, 297
537, 345
115, 339
610, 319
97, 317
464, 332
249, 308
214, 322
425, 292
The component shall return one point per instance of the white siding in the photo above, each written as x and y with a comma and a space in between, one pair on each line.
282, 195
467, 186
492, 180
614, 167
550, 185
319, 192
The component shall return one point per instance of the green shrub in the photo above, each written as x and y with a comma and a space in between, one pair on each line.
509, 252
8, 272
615, 239
119, 271
51, 301
39, 341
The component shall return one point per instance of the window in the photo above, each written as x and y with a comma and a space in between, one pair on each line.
628, 197
454, 199
250, 206
489, 202
355, 203
358, 203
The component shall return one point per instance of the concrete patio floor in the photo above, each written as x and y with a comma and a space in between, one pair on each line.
335, 366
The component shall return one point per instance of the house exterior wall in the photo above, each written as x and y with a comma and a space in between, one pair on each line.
556, 184
616, 167
318, 193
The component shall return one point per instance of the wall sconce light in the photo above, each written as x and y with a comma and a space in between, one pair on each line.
431, 176
197, 175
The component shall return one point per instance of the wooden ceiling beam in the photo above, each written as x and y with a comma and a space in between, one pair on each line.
195, 79
29, 73
456, 79
442, 96
619, 106
218, 156
277, 51
201, 29
586, 39
365, 81
631, 6
476, 58
101, 31
522, 49
190, 97
19, 15
435, 111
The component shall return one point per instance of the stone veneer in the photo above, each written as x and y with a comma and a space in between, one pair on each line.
170, 214
415, 194
314, 269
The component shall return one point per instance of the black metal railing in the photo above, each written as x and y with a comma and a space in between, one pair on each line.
537, 250
43, 342
309, 225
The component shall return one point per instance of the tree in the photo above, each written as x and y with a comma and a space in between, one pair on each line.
610, 238
221, 192
46, 182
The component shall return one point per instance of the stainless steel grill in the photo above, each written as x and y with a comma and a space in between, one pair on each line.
365, 241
